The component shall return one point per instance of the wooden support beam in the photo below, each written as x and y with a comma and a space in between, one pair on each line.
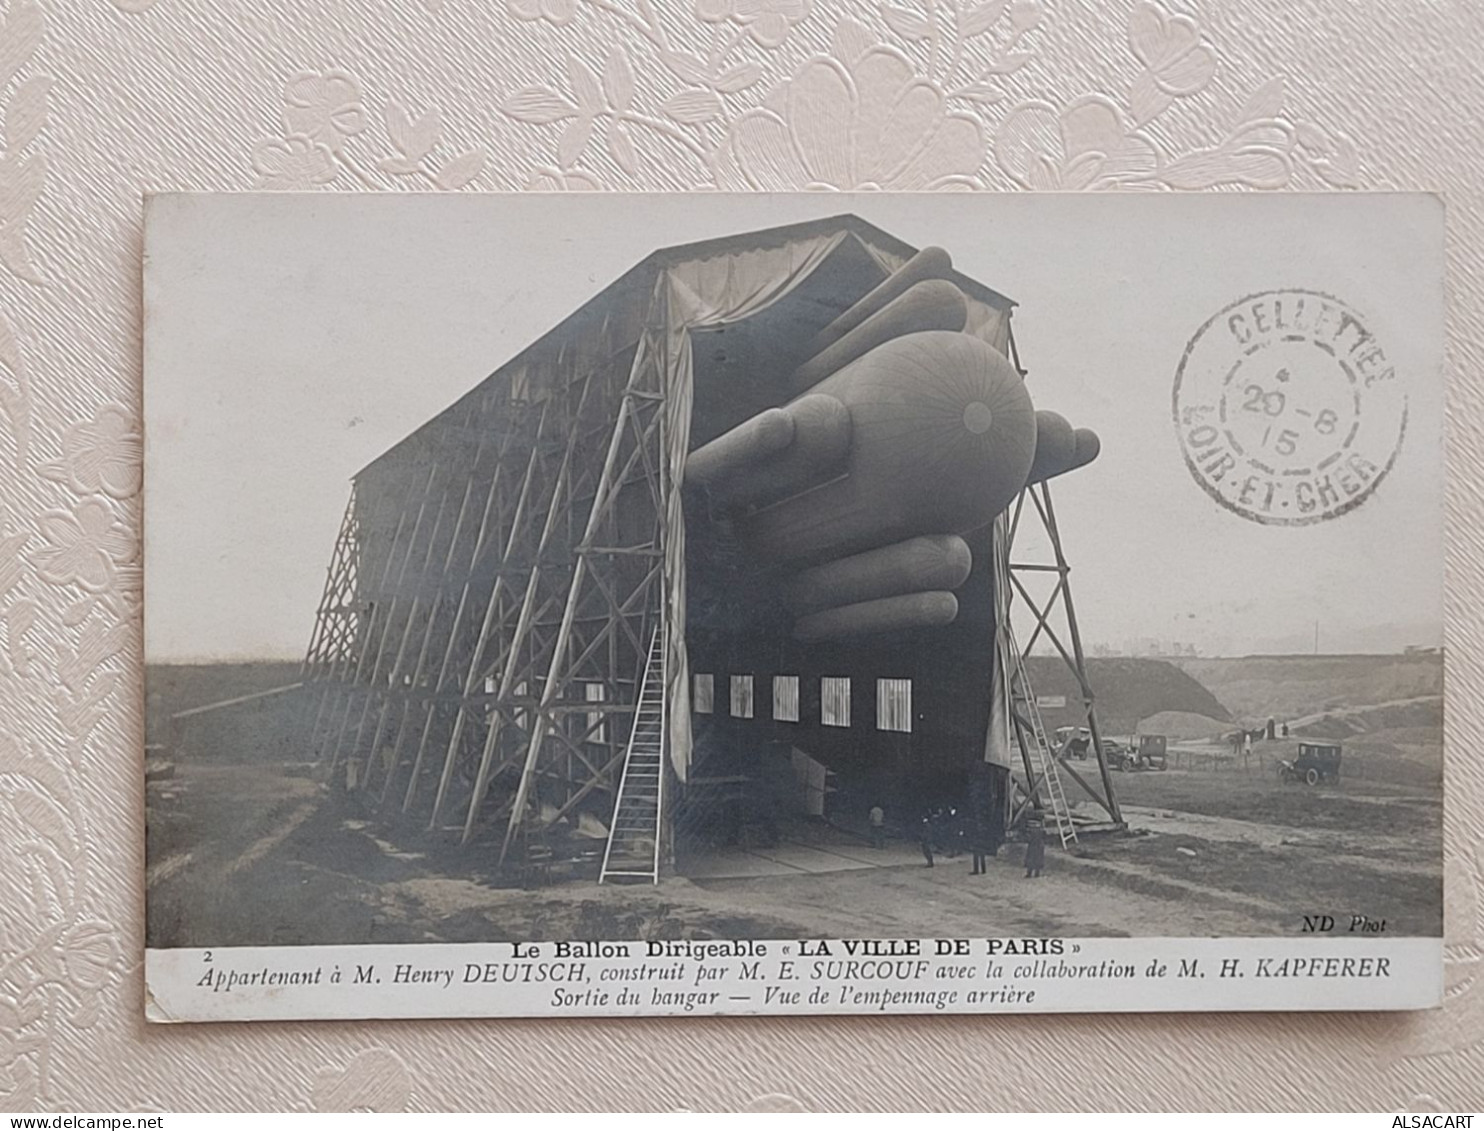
348, 686
624, 612
1073, 657
398, 672
420, 666
451, 643
1051, 634
523, 625
1086, 788
597, 781
373, 685
1111, 800
1042, 612
340, 589
605, 493
517, 523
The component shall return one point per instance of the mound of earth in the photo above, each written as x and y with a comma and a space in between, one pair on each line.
1424, 711
1126, 688
1184, 726
1291, 687
1405, 738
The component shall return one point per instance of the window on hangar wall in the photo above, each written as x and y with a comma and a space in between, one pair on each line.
704, 694
786, 698
894, 705
741, 696
834, 701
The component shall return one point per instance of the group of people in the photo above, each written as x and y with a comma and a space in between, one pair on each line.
1242, 740
944, 831
947, 832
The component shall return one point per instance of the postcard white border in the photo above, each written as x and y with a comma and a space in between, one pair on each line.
732, 978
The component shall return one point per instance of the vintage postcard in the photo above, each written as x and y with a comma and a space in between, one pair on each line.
628, 605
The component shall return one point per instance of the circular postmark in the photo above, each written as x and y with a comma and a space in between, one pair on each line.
1288, 410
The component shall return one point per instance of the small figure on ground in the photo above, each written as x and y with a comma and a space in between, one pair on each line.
1035, 845
878, 827
983, 849
953, 834
925, 839
1285, 730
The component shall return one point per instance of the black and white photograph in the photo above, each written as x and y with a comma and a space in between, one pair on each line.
634, 604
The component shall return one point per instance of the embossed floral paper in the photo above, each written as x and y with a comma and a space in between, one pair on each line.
102, 101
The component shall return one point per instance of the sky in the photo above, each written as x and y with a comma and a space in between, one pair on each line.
292, 338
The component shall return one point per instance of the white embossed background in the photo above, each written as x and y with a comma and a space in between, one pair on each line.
103, 100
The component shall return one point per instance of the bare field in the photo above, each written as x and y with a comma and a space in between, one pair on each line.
288, 862
1256, 687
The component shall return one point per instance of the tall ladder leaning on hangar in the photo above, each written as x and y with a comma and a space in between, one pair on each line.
633, 851
1031, 734
1043, 784
1013, 577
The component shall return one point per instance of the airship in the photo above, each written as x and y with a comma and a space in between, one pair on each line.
905, 433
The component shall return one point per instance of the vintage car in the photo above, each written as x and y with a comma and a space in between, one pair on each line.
1120, 755
1316, 762
1149, 754
1073, 742
1152, 752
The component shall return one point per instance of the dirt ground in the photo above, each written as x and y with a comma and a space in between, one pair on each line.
264, 855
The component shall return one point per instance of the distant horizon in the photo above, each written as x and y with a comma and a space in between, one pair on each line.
1421, 652
292, 340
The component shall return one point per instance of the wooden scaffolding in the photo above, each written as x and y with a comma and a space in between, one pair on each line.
1054, 618
490, 606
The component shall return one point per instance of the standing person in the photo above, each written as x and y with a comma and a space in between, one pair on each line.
953, 834
1035, 845
981, 847
925, 839
878, 827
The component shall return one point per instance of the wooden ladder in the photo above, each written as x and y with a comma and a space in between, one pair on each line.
1024, 700
633, 851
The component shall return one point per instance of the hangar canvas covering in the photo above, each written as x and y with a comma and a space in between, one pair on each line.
792, 604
